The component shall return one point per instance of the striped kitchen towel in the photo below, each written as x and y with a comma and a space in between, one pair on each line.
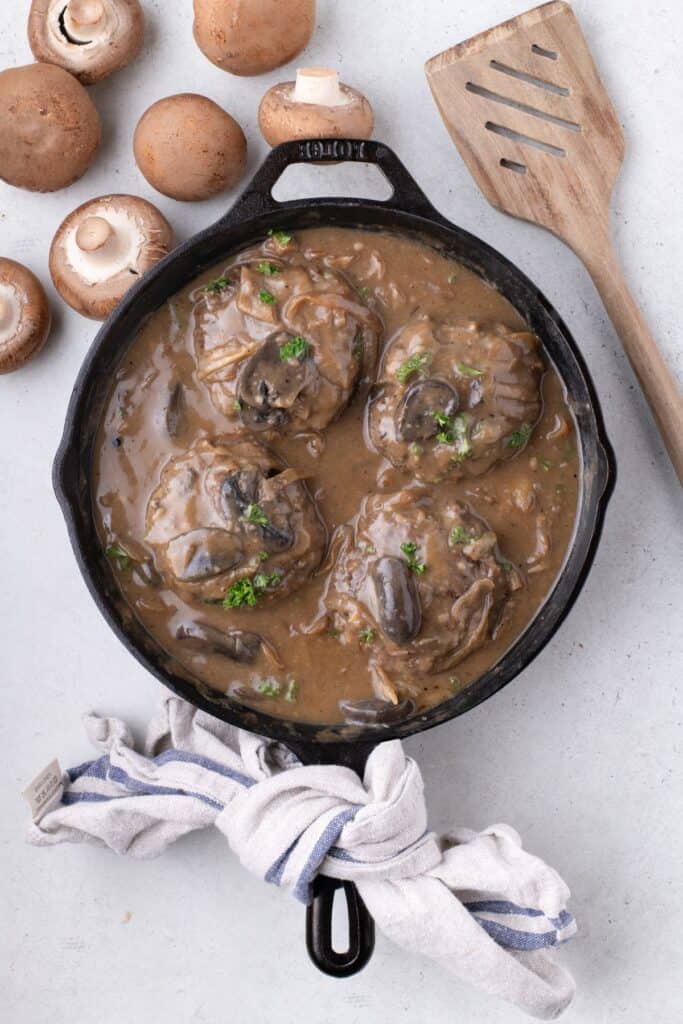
477, 903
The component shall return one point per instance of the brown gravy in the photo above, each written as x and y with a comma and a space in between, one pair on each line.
528, 500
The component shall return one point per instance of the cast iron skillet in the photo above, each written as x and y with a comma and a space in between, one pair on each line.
255, 212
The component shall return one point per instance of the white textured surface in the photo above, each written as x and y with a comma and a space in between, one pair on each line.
580, 754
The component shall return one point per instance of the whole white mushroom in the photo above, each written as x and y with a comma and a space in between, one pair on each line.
316, 106
249, 37
24, 315
103, 247
89, 38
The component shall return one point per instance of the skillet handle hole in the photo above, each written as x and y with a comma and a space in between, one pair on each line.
348, 180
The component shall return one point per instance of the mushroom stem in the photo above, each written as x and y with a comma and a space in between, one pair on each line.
93, 233
319, 86
85, 13
5, 312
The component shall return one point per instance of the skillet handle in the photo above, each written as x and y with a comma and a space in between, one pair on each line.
319, 912
319, 929
257, 199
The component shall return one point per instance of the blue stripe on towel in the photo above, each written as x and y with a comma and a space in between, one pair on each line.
205, 762
104, 770
302, 889
98, 769
511, 938
340, 854
149, 788
326, 840
92, 769
88, 798
274, 873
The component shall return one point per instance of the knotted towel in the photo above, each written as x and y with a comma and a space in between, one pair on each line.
477, 903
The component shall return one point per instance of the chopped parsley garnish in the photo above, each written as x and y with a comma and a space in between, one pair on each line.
454, 431
454, 681
363, 292
413, 365
266, 297
333, 634
452, 278
120, 557
264, 555
367, 636
297, 348
240, 593
470, 371
280, 236
445, 436
459, 535
268, 268
269, 687
416, 449
219, 284
291, 691
518, 438
546, 464
255, 515
247, 591
237, 405
409, 549
264, 580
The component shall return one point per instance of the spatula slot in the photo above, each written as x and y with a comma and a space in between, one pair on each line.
525, 140
512, 165
542, 52
524, 76
507, 101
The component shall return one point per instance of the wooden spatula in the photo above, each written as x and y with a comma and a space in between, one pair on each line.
525, 106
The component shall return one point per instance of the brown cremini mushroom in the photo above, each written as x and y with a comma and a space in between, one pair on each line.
89, 38
316, 106
49, 128
103, 248
248, 37
24, 315
189, 148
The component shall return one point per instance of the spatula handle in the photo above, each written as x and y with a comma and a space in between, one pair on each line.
658, 383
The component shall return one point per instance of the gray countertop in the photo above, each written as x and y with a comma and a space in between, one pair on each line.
579, 754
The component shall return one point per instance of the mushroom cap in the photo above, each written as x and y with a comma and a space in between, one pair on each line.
89, 38
282, 117
102, 249
49, 127
24, 315
248, 37
189, 148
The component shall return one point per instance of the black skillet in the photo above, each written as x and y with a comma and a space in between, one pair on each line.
408, 211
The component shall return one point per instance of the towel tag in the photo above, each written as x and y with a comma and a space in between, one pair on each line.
39, 793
